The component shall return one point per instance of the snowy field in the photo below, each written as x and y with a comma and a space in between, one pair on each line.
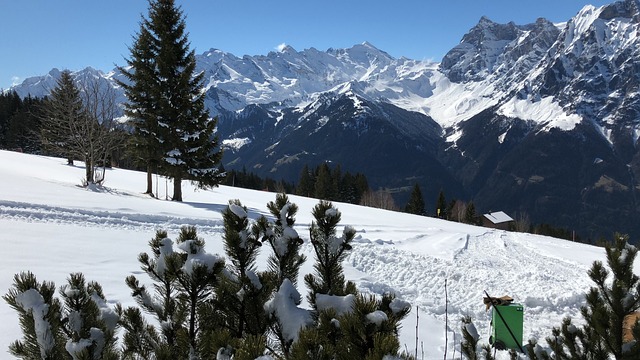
52, 227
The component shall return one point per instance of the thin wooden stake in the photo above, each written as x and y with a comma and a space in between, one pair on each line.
417, 322
446, 320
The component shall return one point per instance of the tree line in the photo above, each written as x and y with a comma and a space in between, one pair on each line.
20, 122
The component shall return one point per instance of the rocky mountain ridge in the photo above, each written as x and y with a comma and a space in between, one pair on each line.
539, 118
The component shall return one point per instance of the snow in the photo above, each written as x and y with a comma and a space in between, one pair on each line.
377, 317
32, 300
546, 112
284, 306
340, 304
63, 228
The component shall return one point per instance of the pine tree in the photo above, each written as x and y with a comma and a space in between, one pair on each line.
608, 302
242, 291
39, 314
469, 344
349, 325
183, 282
62, 119
324, 184
441, 206
330, 251
88, 322
286, 259
168, 81
416, 202
141, 82
470, 216
284, 263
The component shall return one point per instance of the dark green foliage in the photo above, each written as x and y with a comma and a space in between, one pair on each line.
306, 183
285, 260
416, 202
333, 185
167, 104
368, 329
88, 322
609, 302
29, 316
203, 310
140, 339
242, 291
330, 251
183, 281
81, 323
470, 216
20, 123
557, 232
614, 296
62, 117
144, 144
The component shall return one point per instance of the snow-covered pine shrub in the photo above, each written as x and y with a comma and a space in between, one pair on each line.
39, 314
236, 313
183, 282
285, 318
88, 322
348, 325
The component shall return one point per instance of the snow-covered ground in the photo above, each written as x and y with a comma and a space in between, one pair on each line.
52, 227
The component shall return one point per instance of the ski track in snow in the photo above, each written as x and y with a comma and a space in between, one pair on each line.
484, 263
28, 212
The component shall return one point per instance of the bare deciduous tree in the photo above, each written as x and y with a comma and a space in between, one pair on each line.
81, 123
381, 199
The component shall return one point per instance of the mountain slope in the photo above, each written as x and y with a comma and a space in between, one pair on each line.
53, 227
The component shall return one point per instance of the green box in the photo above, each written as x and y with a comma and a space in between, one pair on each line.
501, 338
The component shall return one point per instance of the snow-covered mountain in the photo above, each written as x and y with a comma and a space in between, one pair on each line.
539, 118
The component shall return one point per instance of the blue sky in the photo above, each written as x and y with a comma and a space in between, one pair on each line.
38, 35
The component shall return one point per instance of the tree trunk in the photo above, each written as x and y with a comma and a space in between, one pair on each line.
149, 180
177, 189
88, 170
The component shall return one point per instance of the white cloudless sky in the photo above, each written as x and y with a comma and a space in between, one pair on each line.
38, 35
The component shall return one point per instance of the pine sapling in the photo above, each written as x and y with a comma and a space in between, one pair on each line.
39, 314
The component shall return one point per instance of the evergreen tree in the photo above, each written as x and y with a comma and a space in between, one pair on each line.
89, 323
284, 263
349, 326
324, 183
285, 260
183, 283
139, 89
242, 292
39, 313
62, 120
469, 344
167, 80
330, 251
609, 302
470, 216
416, 202
441, 206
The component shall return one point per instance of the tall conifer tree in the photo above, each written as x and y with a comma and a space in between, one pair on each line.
141, 80
416, 202
183, 128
